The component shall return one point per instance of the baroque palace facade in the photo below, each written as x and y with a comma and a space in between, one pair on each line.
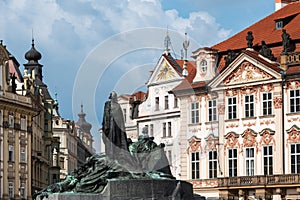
27, 142
35, 141
230, 119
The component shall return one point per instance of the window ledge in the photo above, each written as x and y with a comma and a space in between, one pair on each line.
293, 113
231, 120
196, 124
267, 116
248, 118
212, 122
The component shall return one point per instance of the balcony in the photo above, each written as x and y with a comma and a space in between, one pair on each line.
263, 181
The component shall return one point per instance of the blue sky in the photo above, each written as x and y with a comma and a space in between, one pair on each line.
91, 47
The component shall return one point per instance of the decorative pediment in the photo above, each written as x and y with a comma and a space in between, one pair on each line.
163, 72
293, 134
246, 72
267, 136
194, 145
231, 140
249, 138
211, 142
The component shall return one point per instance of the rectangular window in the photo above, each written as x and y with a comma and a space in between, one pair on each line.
295, 100
249, 105
169, 129
212, 110
11, 189
232, 108
232, 162
166, 102
23, 124
195, 112
11, 121
267, 103
151, 130
175, 102
195, 164
22, 192
295, 158
212, 162
268, 160
164, 129
156, 103
125, 115
10, 153
23, 154
250, 161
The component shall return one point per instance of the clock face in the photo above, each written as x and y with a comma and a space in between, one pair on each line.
165, 72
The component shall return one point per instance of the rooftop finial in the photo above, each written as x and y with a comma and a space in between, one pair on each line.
1, 41
81, 108
32, 38
186, 44
167, 42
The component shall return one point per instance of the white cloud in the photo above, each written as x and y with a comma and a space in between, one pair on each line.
66, 32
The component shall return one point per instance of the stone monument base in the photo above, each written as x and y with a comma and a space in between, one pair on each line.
139, 189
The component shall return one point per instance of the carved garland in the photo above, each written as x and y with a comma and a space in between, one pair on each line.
277, 102
294, 85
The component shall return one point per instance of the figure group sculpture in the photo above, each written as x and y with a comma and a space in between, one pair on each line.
123, 159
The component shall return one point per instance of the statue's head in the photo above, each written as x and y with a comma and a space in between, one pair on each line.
113, 95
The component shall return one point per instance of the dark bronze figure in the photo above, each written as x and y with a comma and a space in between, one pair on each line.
266, 51
114, 136
249, 39
146, 159
286, 42
230, 56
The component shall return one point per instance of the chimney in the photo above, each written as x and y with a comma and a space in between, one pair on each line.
281, 3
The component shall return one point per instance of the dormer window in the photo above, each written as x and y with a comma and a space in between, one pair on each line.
279, 25
203, 65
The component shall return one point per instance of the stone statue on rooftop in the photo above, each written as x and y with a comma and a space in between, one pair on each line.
266, 51
286, 42
230, 57
249, 39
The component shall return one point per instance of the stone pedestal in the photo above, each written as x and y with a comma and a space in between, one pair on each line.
142, 189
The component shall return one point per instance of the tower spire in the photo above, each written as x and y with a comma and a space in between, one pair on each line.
167, 42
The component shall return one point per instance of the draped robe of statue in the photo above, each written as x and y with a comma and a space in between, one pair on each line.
114, 135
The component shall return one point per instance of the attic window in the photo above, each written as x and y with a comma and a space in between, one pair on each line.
279, 25
281, 22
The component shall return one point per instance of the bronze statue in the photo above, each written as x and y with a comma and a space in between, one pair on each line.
114, 136
146, 159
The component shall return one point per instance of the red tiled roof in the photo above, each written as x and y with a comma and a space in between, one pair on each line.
265, 29
138, 96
